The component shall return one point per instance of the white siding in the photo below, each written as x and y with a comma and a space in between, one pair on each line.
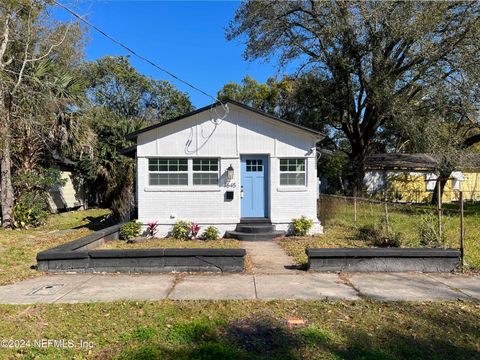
242, 132
375, 181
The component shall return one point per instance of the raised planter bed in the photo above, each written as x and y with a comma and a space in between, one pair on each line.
80, 256
384, 260
144, 243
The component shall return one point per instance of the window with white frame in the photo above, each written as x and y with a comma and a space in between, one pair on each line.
292, 172
205, 171
168, 171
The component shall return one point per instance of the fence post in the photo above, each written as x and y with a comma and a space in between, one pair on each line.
439, 210
386, 209
355, 205
462, 232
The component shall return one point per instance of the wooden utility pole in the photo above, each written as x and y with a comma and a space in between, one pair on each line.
462, 231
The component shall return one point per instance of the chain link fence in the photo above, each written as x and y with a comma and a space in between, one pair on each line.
405, 224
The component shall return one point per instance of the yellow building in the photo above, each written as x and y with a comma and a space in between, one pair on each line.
71, 194
412, 178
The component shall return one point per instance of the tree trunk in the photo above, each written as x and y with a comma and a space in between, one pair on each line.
358, 163
441, 181
6, 187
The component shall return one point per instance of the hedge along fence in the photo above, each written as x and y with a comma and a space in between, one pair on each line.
79, 256
409, 220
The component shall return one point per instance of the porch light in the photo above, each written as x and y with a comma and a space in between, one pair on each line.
230, 173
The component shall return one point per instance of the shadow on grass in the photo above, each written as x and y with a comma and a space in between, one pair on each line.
96, 223
264, 337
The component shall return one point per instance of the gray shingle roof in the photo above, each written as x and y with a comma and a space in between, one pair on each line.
418, 162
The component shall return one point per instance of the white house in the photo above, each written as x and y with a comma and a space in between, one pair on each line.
217, 167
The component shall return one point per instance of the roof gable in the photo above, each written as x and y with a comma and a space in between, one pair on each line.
211, 106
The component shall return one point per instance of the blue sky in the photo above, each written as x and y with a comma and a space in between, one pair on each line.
185, 37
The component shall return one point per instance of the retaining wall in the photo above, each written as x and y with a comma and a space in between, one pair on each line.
79, 256
383, 260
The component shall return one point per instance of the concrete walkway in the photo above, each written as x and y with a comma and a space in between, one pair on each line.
267, 257
78, 288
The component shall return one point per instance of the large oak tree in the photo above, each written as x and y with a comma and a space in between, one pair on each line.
375, 60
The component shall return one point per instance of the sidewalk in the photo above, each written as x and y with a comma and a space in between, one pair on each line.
78, 288
267, 257
270, 277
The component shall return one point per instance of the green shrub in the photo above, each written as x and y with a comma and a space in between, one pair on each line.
25, 217
181, 230
388, 239
367, 232
211, 233
130, 230
380, 236
428, 231
32, 195
301, 227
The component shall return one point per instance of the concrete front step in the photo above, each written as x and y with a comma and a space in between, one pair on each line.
255, 221
255, 236
255, 228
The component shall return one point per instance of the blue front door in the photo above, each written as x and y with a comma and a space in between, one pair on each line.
254, 179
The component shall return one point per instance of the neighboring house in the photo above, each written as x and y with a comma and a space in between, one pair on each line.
412, 177
219, 169
70, 196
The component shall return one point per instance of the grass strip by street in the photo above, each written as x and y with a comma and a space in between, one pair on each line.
248, 330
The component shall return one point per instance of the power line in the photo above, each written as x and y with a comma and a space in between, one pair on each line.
134, 53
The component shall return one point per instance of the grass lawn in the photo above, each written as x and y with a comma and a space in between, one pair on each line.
18, 248
340, 229
248, 330
172, 243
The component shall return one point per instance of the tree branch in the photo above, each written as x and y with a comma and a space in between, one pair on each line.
472, 140
5, 37
26, 60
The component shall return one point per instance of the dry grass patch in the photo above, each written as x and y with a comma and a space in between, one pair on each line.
172, 243
334, 237
19, 248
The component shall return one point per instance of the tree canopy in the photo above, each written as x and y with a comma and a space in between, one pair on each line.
38, 60
54, 103
377, 62
120, 101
